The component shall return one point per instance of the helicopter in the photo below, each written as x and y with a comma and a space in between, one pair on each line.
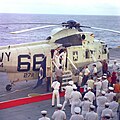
23, 62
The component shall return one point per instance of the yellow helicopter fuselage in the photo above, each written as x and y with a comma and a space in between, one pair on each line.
24, 61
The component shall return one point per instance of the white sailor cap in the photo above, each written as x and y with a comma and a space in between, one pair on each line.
104, 76
74, 87
86, 97
111, 88
92, 106
99, 78
77, 110
43, 112
89, 88
103, 92
59, 105
70, 82
107, 115
107, 104
115, 60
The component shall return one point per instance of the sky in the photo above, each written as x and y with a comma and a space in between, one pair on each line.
75, 7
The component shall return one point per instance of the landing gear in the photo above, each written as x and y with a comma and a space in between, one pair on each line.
8, 87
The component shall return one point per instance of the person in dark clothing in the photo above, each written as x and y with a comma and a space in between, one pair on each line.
113, 78
104, 67
48, 78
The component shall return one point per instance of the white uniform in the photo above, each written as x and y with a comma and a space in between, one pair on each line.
110, 96
44, 118
94, 70
114, 107
87, 71
56, 58
68, 91
90, 95
55, 86
80, 80
107, 111
98, 87
63, 56
101, 100
91, 116
90, 83
77, 117
59, 115
115, 68
105, 85
85, 107
75, 100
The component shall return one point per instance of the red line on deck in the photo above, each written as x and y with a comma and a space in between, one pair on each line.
27, 100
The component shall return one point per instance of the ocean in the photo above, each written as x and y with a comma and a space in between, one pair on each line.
8, 24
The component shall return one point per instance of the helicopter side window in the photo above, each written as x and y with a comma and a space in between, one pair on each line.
73, 40
48, 38
87, 54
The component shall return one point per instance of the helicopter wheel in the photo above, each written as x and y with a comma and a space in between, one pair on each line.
8, 87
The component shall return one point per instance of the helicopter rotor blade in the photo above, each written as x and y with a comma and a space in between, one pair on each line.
40, 23
114, 31
30, 29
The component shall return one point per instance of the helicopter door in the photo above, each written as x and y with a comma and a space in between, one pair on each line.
59, 57
63, 58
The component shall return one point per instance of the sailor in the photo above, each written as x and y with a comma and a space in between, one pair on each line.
115, 67
59, 114
114, 107
63, 56
91, 115
110, 95
68, 91
90, 83
77, 115
98, 86
104, 83
75, 99
44, 113
107, 117
101, 100
59, 74
107, 110
55, 85
80, 77
90, 95
94, 71
86, 75
56, 57
85, 105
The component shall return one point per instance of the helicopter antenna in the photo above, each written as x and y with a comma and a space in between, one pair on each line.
30, 29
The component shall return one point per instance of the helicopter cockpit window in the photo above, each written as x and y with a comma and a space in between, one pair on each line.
104, 49
73, 40
87, 54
